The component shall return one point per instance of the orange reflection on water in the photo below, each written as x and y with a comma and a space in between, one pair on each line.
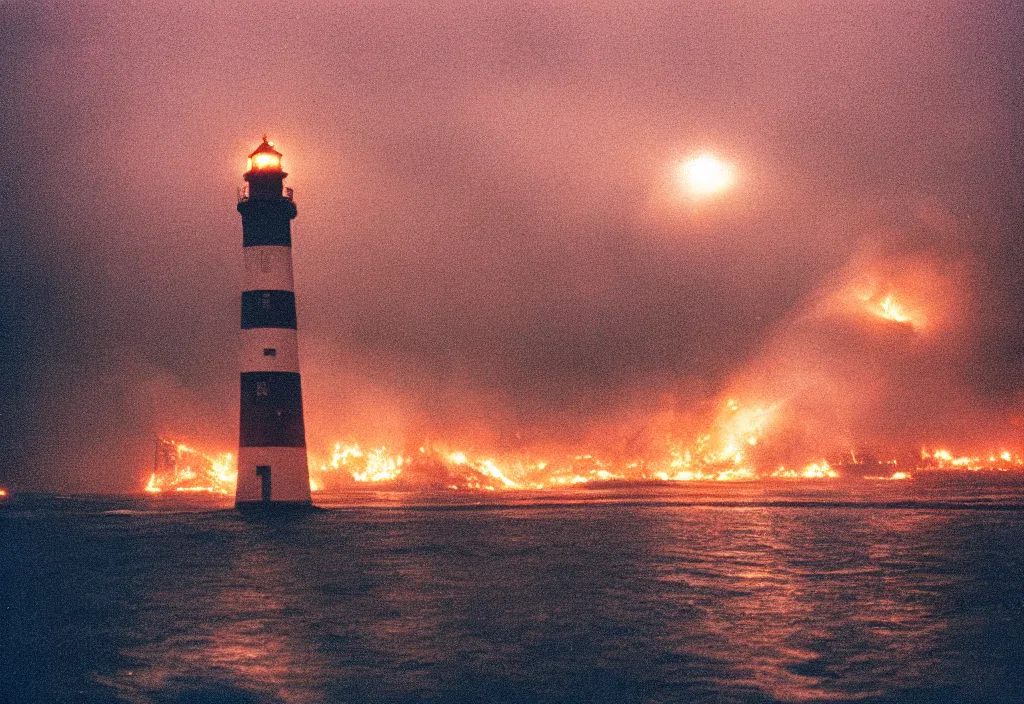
790, 605
241, 640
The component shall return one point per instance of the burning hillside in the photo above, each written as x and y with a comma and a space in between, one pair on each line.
844, 372
728, 451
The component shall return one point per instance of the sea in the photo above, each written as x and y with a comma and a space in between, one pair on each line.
715, 592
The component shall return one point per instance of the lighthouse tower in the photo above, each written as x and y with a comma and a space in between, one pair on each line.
272, 468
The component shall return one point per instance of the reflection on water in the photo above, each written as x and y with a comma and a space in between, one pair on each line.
808, 606
608, 598
237, 633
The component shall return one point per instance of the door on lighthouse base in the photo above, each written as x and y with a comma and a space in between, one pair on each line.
263, 472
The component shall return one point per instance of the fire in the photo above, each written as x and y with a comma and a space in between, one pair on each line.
721, 454
489, 469
371, 466
888, 307
181, 468
740, 428
726, 451
725, 475
895, 477
816, 470
891, 310
994, 461
578, 470
835, 372
382, 465
379, 467
3, 493
716, 456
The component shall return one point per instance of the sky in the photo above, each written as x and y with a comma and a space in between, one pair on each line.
492, 245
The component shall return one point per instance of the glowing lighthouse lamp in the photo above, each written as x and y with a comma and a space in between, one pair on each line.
272, 467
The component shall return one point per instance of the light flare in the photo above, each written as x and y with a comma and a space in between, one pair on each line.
265, 161
705, 175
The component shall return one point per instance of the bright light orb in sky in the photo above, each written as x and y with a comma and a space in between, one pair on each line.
706, 175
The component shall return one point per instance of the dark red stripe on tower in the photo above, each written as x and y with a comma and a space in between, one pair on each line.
268, 309
272, 410
267, 222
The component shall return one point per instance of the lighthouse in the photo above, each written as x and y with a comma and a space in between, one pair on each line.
272, 465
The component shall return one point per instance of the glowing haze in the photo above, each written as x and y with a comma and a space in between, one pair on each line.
705, 175
497, 254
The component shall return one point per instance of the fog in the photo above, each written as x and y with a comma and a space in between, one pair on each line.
492, 246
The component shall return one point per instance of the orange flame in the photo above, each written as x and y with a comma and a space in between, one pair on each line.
725, 452
895, 477
888, 307
942, 459
816, 470
708, 460
181, 468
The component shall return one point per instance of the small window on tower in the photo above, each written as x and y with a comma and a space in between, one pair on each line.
269, 352
261, 388
266, 301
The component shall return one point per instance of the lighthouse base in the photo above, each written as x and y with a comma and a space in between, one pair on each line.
272, 475
275, 508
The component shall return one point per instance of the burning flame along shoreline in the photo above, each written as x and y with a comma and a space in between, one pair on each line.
349, 466
725, 453
731, 449
181, 468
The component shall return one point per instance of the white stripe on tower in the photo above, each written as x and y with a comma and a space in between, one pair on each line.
267, 268
269, 350
272, 463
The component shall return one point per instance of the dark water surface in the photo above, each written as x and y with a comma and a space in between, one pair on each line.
901, 592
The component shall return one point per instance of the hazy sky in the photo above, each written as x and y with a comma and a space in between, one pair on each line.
490, 242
